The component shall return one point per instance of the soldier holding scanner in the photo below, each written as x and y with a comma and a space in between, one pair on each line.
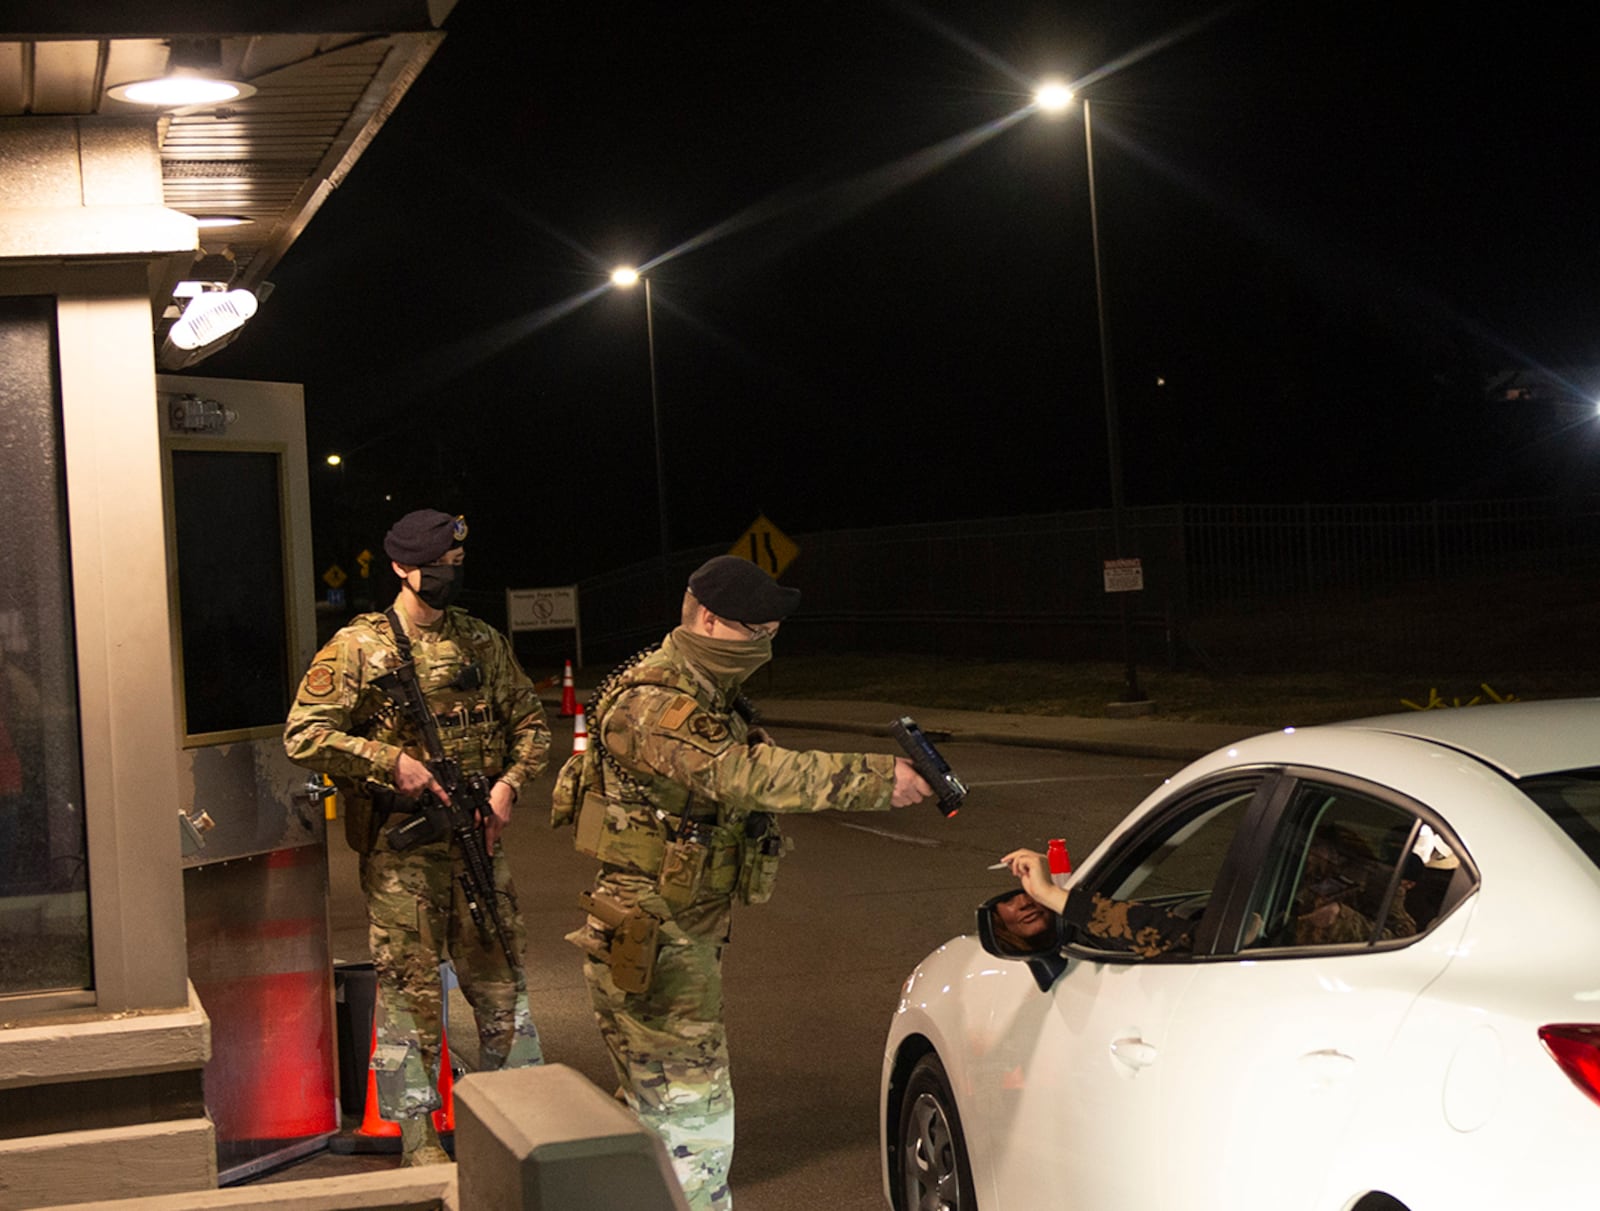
489, 723
676, 798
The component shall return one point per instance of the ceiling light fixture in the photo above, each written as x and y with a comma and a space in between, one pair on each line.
194, 77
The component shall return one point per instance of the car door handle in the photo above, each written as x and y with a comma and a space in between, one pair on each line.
1135, 1053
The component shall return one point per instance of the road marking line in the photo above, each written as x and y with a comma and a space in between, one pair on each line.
928, 842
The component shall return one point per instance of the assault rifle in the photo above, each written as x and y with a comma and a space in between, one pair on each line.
469, 803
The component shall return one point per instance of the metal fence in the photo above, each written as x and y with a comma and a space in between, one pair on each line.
1033, 585
1242, 553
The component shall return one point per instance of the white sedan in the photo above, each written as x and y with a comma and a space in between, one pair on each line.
1342, 968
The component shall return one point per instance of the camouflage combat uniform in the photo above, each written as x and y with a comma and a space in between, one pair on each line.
669, 745
1142, 929
345, 726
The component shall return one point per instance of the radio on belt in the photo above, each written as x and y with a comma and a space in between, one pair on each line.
948, 790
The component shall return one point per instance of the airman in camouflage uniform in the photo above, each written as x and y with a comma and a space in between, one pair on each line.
490, 721
673, 798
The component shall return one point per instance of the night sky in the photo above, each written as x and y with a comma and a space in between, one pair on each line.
1323, 226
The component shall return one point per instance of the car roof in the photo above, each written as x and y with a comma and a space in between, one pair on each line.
1522, 739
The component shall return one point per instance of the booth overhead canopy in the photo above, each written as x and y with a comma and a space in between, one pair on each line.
320, 81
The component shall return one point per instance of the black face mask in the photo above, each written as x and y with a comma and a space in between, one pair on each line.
440, 584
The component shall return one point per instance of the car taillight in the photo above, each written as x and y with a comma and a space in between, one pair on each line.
1577, 1049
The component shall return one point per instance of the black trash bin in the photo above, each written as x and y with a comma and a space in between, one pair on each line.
355, 994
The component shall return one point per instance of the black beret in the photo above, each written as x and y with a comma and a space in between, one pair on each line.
737, 590
423, 537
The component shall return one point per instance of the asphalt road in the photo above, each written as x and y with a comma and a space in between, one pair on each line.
812, 977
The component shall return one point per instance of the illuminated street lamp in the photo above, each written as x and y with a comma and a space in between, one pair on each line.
627, 277
1054, 97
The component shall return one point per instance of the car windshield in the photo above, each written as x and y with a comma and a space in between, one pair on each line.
1572, 800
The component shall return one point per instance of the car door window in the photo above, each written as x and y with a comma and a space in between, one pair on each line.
1149, 900
1346, 869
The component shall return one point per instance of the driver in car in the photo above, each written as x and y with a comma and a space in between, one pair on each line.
1142, 929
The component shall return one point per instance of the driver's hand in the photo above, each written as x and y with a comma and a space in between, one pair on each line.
1032, 870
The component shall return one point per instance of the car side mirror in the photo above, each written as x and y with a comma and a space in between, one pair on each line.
1012, 926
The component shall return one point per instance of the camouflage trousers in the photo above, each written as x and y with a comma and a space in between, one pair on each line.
417, 916
670, 1051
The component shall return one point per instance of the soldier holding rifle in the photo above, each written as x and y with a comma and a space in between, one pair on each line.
429, 729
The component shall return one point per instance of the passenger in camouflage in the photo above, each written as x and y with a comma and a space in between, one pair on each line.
673, 798
1342, 888
490, 721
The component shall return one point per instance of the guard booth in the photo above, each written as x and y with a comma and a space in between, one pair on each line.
255, 878
156, 605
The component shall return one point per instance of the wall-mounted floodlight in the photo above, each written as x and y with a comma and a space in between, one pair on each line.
335, 459
210, 316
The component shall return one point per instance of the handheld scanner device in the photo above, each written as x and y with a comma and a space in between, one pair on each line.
948, 790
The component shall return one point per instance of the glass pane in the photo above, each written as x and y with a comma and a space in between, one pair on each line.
1185, 860
1349, 870
44, 899
1150, 900
235, 630
1572, 800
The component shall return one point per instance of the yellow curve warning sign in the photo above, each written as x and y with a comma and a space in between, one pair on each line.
766, 546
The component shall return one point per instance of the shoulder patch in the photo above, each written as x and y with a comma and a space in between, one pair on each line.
672, 718
708, 727
319, 681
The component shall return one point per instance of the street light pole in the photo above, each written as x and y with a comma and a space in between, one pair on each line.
1054, 97
655, 418
627, 277
1131, 691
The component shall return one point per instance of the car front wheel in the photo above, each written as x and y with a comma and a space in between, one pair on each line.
934, 1174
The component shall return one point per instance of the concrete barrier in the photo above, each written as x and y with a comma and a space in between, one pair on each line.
545, 1139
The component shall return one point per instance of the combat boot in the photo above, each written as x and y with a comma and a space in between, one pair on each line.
419, 1142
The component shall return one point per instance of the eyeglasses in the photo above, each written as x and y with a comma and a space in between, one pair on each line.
766, 632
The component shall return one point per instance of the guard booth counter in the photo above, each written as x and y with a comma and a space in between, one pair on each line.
255, 877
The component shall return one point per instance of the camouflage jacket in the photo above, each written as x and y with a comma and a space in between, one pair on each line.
679, 745
1146, 930
343, 725
668, 745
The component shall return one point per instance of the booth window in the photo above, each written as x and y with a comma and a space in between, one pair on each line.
234, 643
44, 899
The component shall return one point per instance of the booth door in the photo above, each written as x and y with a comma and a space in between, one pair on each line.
255, 868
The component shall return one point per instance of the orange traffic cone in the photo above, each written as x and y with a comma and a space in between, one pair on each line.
373, 1124
569, 696
444, 1118
580, 733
